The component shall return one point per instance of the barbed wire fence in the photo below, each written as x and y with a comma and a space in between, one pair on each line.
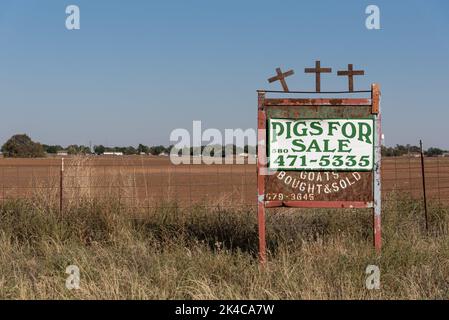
138, 182
152, 182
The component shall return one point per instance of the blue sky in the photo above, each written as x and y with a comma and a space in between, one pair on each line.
139, 69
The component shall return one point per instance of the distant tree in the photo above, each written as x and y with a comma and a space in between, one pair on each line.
52, 149
111, 149
399, 150
387, 151
73, 149
143, 149
129, 150
434, 152
84, 150
229, 149
251, 150
21, 146
156, 150
211, 150
414, 149
99, 149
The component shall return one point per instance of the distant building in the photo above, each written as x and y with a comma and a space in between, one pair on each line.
413, 155
62, 153
163, 154
108, 153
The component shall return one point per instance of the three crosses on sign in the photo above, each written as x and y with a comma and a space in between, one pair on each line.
318, 70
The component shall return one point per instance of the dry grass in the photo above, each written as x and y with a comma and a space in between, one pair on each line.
172, 253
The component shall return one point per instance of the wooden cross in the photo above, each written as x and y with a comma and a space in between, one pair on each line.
281, 77
318, 70
350, 73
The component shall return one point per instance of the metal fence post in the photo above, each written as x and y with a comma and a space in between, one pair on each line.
261, 163
61, 180
376, 110
423, 174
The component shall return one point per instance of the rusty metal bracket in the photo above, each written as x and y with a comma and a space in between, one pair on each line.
375, 98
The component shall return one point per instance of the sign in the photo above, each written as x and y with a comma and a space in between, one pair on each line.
319, 153
319, 174
321, 144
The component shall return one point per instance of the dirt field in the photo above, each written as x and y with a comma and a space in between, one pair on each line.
146, 181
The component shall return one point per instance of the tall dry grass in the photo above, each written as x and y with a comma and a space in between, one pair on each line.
198, 253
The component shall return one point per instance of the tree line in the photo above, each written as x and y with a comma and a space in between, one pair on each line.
404, 150
130, 150
22, 146
100, 149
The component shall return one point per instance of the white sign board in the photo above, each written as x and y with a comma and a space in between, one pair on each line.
321, 144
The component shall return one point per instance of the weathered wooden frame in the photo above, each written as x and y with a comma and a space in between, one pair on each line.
262, 169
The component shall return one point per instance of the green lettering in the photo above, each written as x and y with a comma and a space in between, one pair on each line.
314, 145
326, 146
289, 124
333, 126
300, 144
343, 146
274, 132
345, 131
303, 130
316, 125
365, 132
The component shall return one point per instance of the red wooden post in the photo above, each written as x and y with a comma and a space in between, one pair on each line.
261, 164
